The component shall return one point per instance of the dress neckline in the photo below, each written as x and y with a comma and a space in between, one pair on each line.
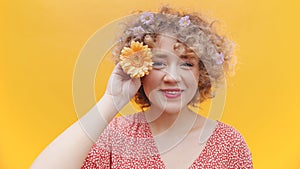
207, 143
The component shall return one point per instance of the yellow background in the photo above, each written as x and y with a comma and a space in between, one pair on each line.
41, 40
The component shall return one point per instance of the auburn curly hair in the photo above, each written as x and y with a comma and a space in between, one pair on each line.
197, 38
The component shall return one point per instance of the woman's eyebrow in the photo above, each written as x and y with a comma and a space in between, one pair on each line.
187, 57
159, 55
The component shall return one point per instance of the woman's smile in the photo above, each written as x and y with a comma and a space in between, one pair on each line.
172, 93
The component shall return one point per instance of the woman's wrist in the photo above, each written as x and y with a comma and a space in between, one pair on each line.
96, 120
117, 102
107, 107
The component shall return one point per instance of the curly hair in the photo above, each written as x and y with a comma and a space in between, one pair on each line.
197, 38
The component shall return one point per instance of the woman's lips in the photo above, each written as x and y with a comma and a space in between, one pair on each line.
172, 93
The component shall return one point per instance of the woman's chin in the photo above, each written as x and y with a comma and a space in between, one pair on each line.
171, 108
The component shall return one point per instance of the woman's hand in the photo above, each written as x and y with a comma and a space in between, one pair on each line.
121, 87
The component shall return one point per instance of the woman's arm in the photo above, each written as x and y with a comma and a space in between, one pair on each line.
69, 149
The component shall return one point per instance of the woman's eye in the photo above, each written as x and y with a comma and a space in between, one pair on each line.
186, 64
158, 65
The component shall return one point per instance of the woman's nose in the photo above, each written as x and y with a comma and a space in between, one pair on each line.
172, 75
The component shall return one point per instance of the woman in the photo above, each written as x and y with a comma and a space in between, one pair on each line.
167, 62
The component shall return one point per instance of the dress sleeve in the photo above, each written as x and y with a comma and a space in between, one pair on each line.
99, 156
240, 155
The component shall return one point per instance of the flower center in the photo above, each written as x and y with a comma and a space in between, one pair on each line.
137, 59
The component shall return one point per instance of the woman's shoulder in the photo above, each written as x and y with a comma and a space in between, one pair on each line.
128, 120
233, 143
228, 135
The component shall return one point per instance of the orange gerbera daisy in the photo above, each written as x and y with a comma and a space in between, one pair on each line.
136, 61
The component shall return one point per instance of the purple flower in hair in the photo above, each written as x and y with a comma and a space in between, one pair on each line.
138, 31
184, 21
147, 18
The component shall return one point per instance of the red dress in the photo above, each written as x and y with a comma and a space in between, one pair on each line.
128, 143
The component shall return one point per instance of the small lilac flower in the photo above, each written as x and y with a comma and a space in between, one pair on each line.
147, 18
220, 58
184, 21
138, 31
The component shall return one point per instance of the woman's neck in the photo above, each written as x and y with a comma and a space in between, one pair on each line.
162, 121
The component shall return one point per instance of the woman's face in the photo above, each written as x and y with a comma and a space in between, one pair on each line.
173, 81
